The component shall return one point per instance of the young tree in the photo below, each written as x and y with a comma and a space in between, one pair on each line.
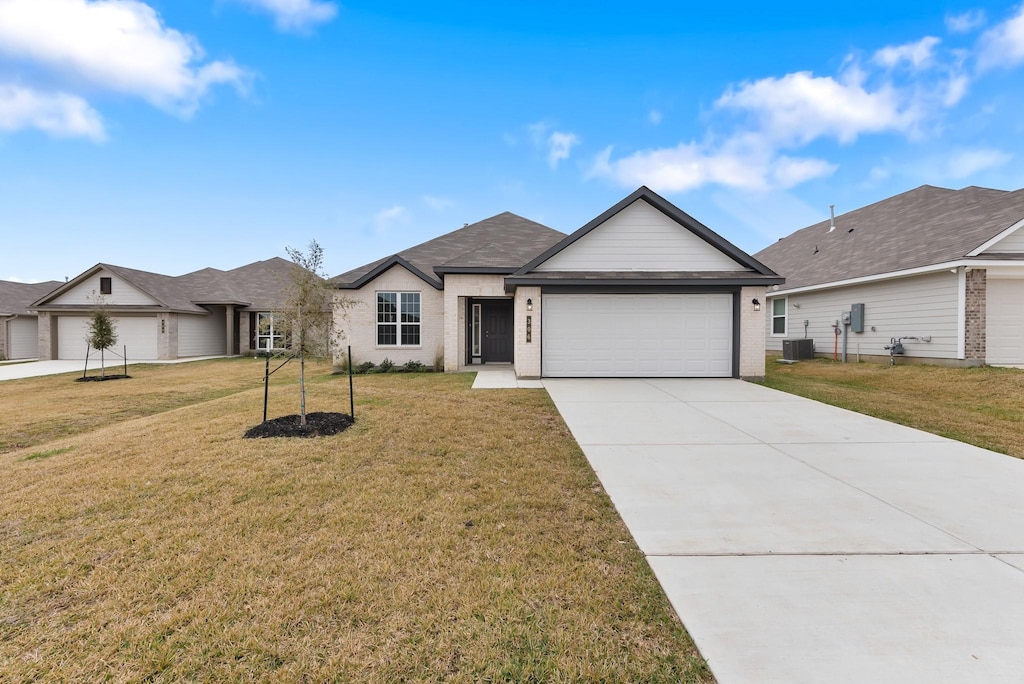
101, 332
307, 319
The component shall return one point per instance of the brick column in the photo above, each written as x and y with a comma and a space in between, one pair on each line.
752, 333
229, 314
974, 337
47, 338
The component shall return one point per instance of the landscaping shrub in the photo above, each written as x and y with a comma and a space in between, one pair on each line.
412, 367
365, 367
386, 365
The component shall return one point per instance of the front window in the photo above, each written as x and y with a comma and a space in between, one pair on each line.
398, 319
267, 336
106, 285
779, 316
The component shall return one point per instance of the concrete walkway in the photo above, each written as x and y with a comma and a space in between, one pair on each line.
501, 376
35, 369
799, 542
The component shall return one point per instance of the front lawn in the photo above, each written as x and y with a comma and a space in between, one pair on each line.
981, 406
451, 534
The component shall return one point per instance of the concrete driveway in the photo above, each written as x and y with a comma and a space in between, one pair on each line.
35, 369
799, 542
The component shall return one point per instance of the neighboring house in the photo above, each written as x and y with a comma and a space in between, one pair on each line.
944, 266
19, 328
643, 290
205, 313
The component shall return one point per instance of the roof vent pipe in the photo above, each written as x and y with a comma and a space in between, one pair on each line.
832, 224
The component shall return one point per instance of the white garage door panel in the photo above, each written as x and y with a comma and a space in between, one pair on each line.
23, 339
138, 334
655, 335
1004, 321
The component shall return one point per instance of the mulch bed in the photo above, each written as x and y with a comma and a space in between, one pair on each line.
317, 425
102, 378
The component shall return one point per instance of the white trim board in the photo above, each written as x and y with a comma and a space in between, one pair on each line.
920, 270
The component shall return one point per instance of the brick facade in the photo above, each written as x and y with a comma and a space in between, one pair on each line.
528, 361
752, 333
355, 317
974, 336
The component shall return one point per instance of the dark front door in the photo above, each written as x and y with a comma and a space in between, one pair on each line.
497, 324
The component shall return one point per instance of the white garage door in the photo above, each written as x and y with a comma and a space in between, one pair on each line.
1004, 321
138, 333
22, 337
650, 335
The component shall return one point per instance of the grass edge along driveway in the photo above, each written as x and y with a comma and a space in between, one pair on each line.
980, 406
451, 535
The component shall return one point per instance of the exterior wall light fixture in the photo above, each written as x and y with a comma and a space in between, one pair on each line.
757, 305
529, 305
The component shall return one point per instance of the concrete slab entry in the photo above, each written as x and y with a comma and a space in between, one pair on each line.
720, 390
600, 390
972, 493
812, 422
668, 422
495, 379
837, 619
750, 499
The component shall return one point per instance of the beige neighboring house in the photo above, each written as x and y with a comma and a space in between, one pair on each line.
19, 327
942, 269
205, 313
643, 290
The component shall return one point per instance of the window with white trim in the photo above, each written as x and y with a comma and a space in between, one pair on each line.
398, 319
267, 336
779, 316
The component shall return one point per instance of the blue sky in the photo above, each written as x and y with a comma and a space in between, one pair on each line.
171, 136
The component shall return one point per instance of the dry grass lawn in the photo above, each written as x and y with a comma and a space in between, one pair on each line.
450, 535
981, 406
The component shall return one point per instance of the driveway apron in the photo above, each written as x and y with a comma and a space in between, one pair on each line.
800, 542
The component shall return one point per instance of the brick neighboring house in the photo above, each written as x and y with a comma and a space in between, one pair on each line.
209, 312
643, 290
19, 327
943, 266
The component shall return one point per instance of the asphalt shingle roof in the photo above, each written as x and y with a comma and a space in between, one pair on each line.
502, 241
260, 286
921, 227
15, 297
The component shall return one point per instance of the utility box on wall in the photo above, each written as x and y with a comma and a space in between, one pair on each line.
857, 318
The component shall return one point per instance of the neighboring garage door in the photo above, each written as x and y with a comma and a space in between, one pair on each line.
22, 337
649, 335
137, 333
1004, 321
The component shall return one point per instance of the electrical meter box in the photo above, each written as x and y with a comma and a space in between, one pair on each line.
857, 318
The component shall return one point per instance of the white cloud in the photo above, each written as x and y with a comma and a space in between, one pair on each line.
967, 162
384, 219
801, 107
58, 114
560, 146
740, 164
296, 15
772, 117
954, 89
556, 144
1003, 45
117, 45
438, 203
655, 116
917, 55
966, 22
878, 174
